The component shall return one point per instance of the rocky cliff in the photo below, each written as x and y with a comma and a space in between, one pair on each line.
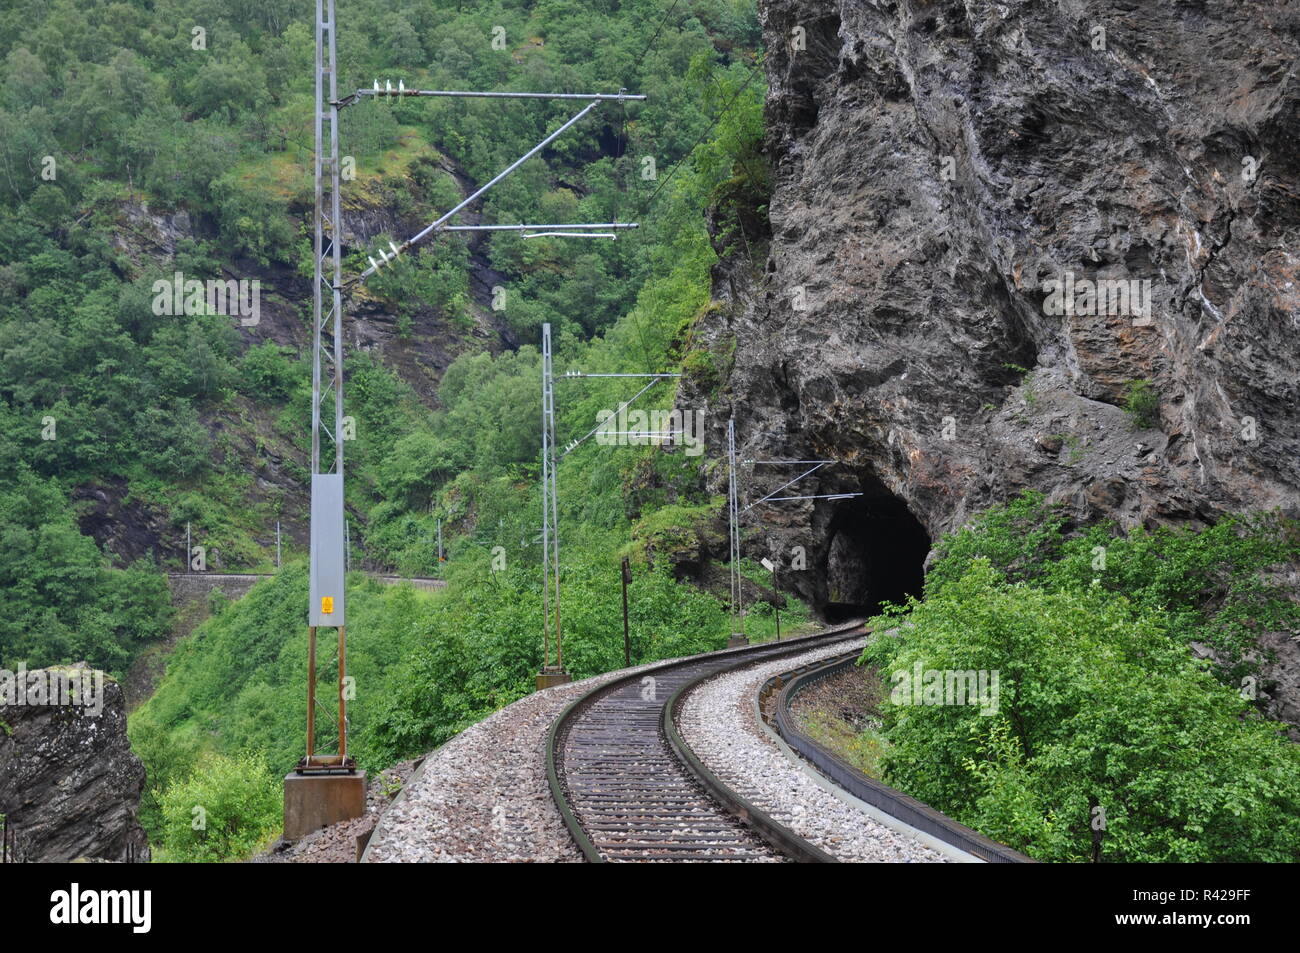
70, 785
1017, 244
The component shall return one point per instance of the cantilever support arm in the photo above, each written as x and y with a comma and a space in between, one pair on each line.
437, 225
783, 486
402, 93
534, 228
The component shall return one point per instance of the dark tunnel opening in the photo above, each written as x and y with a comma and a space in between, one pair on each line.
876, 554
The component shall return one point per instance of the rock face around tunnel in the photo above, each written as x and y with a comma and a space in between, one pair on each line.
941, 170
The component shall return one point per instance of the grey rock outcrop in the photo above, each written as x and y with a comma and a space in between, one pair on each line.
69, 783
936, 166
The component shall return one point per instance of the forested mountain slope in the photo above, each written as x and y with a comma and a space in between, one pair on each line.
139, 140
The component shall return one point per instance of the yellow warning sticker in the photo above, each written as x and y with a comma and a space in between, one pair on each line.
326, 605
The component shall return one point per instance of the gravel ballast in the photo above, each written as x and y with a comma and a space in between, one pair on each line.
719, 722
337, 844
483, 796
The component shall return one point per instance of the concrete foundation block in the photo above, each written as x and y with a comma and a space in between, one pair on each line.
313, 801
549, 677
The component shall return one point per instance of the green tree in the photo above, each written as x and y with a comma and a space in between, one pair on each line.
225, 810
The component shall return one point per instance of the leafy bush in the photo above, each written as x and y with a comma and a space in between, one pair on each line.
1215, 585
1142, 404
1096, 707
1102, 709
266, 373
226, 809
252, 222
1018, 539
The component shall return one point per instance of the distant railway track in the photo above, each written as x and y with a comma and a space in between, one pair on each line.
216, 578
630, 789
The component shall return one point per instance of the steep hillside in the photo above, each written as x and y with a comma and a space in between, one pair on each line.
139, 142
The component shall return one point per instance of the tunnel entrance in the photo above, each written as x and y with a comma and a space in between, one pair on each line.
876, 554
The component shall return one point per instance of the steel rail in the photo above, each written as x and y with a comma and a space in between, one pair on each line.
775, 697
628, 787
780, 837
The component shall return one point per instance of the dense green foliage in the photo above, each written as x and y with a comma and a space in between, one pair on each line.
226, 809
61, 603
236, 685
1212, 585
1106, 723
115, 116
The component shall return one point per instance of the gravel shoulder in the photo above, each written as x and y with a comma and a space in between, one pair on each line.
841, 712
719, 722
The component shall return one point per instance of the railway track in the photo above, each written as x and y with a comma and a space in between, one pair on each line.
630, 789
773, 705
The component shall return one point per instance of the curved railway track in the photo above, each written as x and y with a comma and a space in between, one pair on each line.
630, 790
774, 702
